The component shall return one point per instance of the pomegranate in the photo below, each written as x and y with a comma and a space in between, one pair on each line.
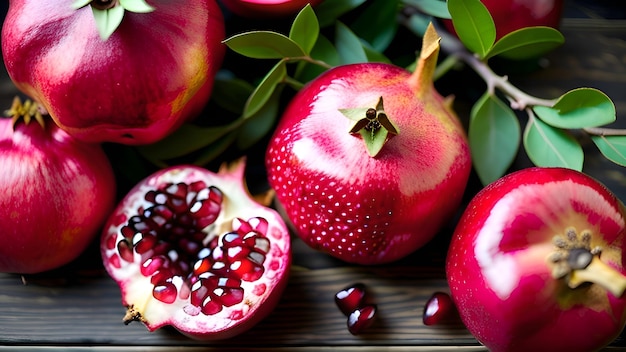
267, 8
57, 193
537, 263
511, 15
368, 160
191, 249
154, 72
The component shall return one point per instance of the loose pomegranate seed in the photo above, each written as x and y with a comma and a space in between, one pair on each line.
361, 319
439, 309
169, 237
350, 298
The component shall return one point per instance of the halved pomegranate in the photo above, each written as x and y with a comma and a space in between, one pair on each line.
190, 248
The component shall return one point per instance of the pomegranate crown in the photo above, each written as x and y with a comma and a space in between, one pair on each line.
108, 14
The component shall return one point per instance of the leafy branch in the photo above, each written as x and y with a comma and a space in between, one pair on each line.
494, 129
319, 40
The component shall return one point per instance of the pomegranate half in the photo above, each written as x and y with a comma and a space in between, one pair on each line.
191, 249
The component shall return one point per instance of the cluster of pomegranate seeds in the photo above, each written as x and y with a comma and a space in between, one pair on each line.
176, 252
350, 301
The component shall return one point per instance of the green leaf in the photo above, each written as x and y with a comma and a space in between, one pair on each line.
186, 139
325, 51
216, 148
328, 11
305, 29
348, 45
372, 54
579, 108
260, 124
378, 23
612, 147
108, 20
435, 8
473, 24
494, 136
527, 43
264, 45
548, 146
231, 93
138, 6
265, 89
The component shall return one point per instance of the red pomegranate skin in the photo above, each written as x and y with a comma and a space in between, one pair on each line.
498, 270
363, 209
511, 15
57, 192
154, 72
267, 8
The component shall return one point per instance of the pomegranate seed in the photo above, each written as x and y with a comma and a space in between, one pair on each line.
169, 234
439, 309
361, 319
350, 298
165, 292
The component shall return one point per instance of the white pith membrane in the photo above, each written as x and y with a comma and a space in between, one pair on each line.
137, 289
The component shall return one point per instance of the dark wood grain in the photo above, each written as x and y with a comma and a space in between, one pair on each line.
78, 307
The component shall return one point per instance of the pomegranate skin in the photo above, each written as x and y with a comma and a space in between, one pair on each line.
498, 268
57, 193
267, 8
358, 208
155, 72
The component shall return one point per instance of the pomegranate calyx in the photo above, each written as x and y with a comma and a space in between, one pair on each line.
577, 263
108, 14
373, 125
26, 111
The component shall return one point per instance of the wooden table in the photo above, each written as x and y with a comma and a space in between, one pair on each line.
78, 307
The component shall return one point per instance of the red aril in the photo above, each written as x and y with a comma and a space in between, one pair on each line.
350, 298
191, 249
56, 194
537, 263
350, 193
153, 73
361, 319
439, 309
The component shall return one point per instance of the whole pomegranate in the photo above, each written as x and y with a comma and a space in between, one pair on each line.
154, 72
369, 161
267, 8
511, 15
537, 260
57, 193
191, 249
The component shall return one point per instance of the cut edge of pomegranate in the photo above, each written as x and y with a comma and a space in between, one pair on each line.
260, 296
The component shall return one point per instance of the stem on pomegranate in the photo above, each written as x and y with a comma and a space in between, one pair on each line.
600, 273
422, 78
